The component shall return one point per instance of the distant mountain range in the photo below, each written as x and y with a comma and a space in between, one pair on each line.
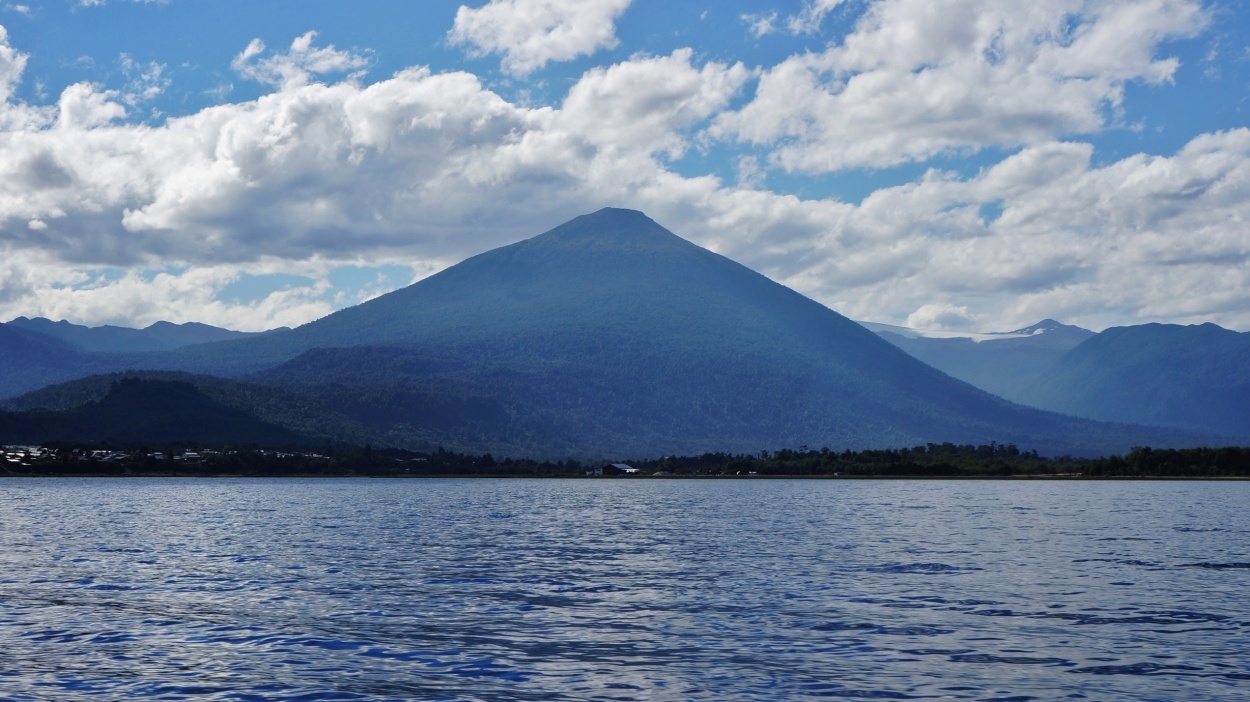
161, 336
30, 360
606, 336
1187, 377
1003, 363
37, 352
1192, 377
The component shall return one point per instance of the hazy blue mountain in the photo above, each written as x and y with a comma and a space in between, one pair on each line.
161, 336
139, 411
29, 360
610, 335
1001, 363
1193, 377
38, 352
1050, 331
289, 407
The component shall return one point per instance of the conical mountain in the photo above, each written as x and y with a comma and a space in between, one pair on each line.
610, 335
615, 273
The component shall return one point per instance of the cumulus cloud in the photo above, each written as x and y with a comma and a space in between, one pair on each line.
299, 64
84, 106
429, 168
137, 298
12, 64
916, 79
531, 33
942, 316
1045, 233
643, 104
316, 169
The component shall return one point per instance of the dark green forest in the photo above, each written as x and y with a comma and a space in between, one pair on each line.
966, 461
992, 461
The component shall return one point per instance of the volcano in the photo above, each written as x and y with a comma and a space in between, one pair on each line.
610, 335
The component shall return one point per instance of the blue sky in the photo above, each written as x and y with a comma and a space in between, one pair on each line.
961, 164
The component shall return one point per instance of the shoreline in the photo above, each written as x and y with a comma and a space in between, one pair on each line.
504, 476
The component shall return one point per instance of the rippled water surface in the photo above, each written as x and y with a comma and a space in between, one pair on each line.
623, 590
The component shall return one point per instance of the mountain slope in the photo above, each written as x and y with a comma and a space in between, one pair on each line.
29, 360
139, 411
610, 334
305, 414
1191, 377
1003, 364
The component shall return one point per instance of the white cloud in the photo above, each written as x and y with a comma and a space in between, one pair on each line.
318, 169
531, 33
807, 21
750, 175
643, 104
12, 64
221, 91
813, 15
942, 316
431, 168
917, 79
761, 25
144, 81
84, 106
296, 67
1141, 239
136, 298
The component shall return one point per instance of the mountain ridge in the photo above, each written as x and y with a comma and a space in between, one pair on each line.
159, 336
1185, 376
1001, 363
610, 335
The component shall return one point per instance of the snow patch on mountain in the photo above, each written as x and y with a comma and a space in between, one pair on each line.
911, 333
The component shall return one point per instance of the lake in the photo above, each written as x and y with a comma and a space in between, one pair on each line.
358, 589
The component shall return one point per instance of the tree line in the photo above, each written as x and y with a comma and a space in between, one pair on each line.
931, 460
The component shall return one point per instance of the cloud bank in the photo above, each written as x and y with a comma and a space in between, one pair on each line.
107, 219
917, 79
